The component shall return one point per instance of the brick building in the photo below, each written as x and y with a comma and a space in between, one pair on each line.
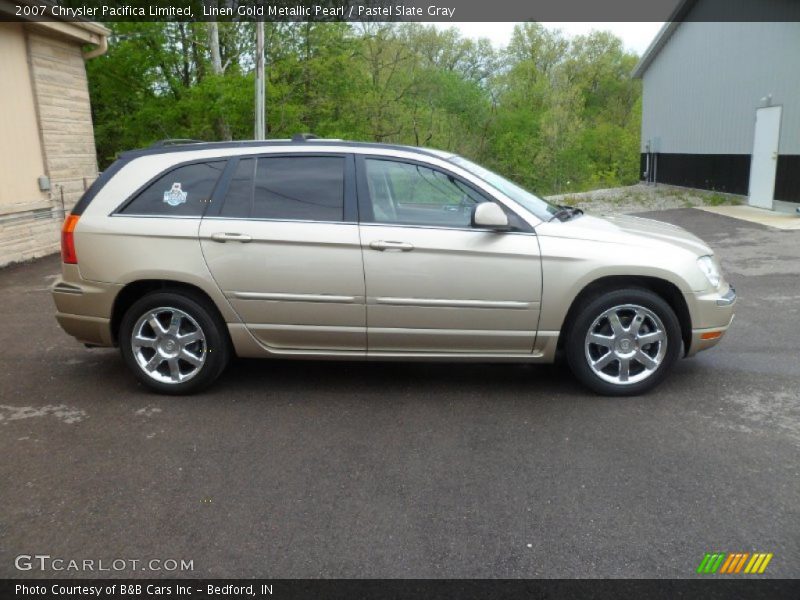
47, 151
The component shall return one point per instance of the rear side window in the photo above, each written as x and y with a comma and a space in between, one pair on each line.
239, 197
299, 188
185, 192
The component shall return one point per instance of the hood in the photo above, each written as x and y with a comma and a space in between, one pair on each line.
627, 230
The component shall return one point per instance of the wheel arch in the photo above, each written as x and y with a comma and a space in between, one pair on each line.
135, 290
665, 289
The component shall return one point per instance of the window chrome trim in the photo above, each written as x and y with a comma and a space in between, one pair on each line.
308, 221
268, 220
445, 228
143, 216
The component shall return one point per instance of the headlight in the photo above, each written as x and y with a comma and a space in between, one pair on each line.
709, 268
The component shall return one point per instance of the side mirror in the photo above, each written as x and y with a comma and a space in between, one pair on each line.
488, 215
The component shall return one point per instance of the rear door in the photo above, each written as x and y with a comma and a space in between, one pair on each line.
284, 248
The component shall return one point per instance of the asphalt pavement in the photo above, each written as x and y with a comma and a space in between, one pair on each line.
343, 469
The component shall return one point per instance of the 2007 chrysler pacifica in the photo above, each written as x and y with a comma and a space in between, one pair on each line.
184, 255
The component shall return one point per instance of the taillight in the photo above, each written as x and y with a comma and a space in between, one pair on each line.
68, 240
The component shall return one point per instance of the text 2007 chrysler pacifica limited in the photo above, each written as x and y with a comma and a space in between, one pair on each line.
185, 255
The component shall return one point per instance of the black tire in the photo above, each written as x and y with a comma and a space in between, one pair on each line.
214, 349
592, 309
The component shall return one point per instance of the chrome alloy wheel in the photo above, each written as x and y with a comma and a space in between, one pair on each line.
168, 345
626, 344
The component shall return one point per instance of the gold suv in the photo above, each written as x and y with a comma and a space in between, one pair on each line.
186, 255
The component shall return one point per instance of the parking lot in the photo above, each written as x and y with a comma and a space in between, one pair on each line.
339, 469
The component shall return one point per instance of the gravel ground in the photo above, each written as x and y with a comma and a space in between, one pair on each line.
644, 198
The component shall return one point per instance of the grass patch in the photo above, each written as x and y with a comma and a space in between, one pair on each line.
718, 199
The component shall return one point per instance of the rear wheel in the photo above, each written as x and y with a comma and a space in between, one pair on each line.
624, 342
174, 343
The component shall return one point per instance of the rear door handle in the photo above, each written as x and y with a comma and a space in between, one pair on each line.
231, 237
383, 246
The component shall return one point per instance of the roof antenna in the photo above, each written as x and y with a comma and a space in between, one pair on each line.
303, 137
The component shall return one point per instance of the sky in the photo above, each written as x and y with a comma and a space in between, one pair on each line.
635, 36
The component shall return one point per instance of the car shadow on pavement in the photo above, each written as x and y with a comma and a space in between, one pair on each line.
375, 381
396, 379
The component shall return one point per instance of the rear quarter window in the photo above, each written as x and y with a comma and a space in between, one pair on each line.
183, 192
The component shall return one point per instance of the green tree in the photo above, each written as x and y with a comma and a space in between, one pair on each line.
552, 113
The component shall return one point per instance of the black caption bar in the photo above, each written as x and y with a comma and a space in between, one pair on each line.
400, 10
399, 589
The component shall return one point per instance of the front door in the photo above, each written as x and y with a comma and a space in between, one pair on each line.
764, 161
434, 283
287, 256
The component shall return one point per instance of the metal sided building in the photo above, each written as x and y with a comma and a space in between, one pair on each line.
721, 101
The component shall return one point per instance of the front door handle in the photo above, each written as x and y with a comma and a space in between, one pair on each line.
231, 237
383, 246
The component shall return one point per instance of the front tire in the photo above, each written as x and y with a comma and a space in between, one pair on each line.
174, 343
623, 343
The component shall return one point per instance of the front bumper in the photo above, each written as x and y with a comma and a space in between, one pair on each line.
713, 315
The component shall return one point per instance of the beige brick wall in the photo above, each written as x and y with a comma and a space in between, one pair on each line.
61, 95
29, 236
65, 118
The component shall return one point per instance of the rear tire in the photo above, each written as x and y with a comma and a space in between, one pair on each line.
623, 342
174, 342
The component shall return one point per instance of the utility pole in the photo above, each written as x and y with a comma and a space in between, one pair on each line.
213, 42
260, 128
220, 125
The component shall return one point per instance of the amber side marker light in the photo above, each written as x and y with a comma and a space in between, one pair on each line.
710, 335
68, 240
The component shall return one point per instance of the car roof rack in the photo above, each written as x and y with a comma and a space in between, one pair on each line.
303, 137
175, 142
193, 146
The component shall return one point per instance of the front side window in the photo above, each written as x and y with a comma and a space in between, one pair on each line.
301, 188
411, 194
182, 192
541, 208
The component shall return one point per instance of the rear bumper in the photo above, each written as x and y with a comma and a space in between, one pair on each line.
84, 308
89, 330
713, 316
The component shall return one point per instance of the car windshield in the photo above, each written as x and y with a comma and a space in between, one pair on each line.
541, 208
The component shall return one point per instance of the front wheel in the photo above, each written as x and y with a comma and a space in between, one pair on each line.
174, 343
624, 342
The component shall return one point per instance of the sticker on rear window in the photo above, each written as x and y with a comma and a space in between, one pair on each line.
175, 195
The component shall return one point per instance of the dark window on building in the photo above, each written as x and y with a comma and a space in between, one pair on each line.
302, 188
185, 191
